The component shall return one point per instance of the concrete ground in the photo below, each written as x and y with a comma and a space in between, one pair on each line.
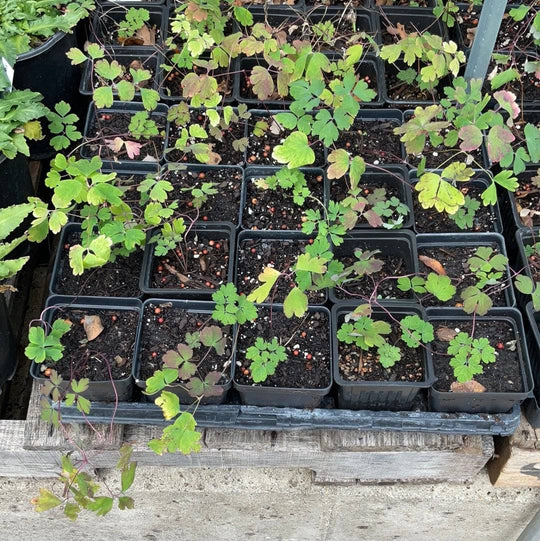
277, 505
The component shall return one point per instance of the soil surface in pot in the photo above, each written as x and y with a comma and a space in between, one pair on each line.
309, 336
276, 209
393, 265
107, 32
339, 191
254, 255
391, 35
374, 140
136, 63
526, 88
115, 279
353, 3
199, 262
106, 126
259, 150
432, 221
527, 199
223, 206
515, 31
112, 349
356, 364
222, 143
454, 261
398, 90
533, 259
164, 330
405, 3
504, 375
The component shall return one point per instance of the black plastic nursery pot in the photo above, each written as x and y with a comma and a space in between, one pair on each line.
387, 395
146, 56
91, 148
369, 67
225, 206
264, 394
486, 220
167, 309
104, 390
8, 351
15, 181
488, 401
370, 140
414, 20
105, 20
264, 210
532, 325
400, 244
217, 237
47, 70
115, 281
393, 180
397, 7
259, 249
447, 241
525, 237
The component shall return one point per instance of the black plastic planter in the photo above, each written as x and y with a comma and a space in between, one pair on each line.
47, 69
378, 395
252, 173
272, 237
532, 325
97, 390
148, 58
197, 307
15, 181
511, 213
480, 180
212, 231
112, 14
129, 108
8, 351
525, 237
401, 243
370, 66
415, 19
292, 397
471, 240
486, 402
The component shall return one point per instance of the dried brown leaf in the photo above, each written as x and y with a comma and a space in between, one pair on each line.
445, 334
92, 327
467, 387
433, 264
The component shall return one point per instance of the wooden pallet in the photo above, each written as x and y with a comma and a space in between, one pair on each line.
517, 458
32, 448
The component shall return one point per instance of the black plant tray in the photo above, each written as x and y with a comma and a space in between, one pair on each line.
270, 418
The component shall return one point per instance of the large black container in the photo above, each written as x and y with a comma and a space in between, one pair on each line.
8, 349
486, 402
267, 171
47, 69
532, 325
198, 307
401, 242
215, 230
378, 395
291, 397
97, 390
511, 217
15, 181
436, 240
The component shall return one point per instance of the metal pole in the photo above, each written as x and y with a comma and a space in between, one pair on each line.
484, 40
532, 531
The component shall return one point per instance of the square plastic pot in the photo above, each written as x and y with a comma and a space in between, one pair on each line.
525, 237
102, 391
215, 230
8, 351
532, 324
291, 397
511, 217
486, 402
198, 307
378, 395
475, 240
397, 242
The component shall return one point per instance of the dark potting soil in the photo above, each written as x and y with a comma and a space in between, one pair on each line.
355, 364
115, 279
222, 143
112, 349
533, 259
275, 209
388, 38
107, 32
373, 140
339, 191
432, 221
518, 32
163, 331
353, 3
467, 19
254, 255
199, 262
526, 88
259, 150
454, 261
527, 197
406, 3
394, 265
221, 207
401, 91
106, 126
504, 375
133, 63
310, 336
